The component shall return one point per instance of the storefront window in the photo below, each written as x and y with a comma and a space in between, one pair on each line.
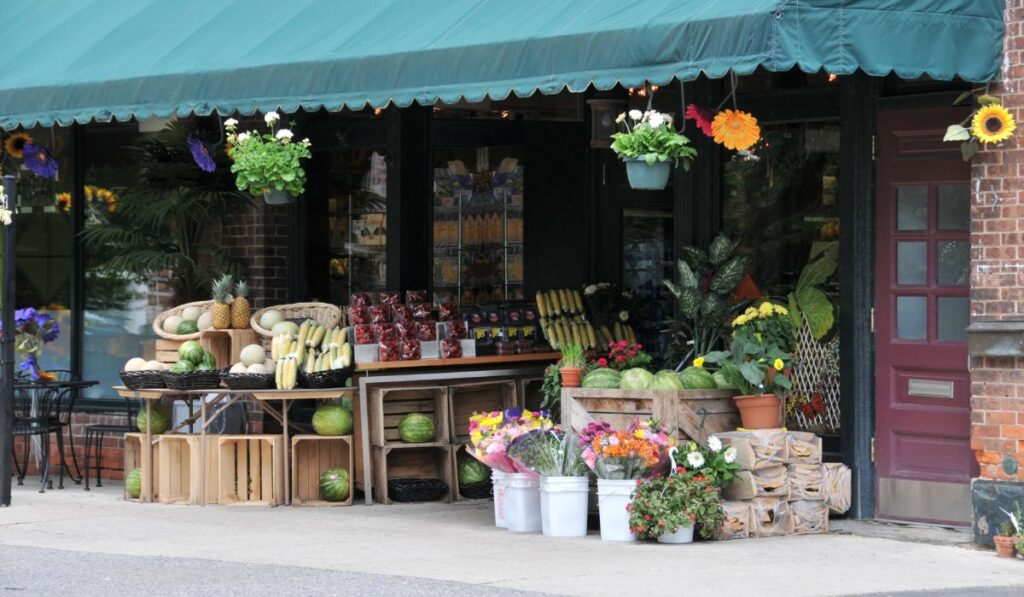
647, 260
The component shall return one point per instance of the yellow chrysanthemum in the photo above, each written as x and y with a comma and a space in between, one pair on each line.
15, 144
765, 310
780, 310
742, 319
993, 124
779, 365
735, 129
698, 362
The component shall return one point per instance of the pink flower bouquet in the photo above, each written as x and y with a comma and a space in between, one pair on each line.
490, 435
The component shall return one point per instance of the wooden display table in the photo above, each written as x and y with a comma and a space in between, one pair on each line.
460, 362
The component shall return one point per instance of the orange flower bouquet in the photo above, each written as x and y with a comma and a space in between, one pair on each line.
631, 454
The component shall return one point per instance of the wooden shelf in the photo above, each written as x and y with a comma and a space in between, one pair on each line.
296, 394
461, 362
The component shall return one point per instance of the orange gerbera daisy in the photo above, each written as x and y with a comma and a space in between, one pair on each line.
15, 144
735, 129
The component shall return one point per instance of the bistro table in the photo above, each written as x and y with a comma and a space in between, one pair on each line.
222, 399
60, 388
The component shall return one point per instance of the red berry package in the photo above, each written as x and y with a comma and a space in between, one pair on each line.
410, 350
447, 311
385, 331
359, 299
389, 297
358, 315
380, 313
457, 329
451, 348
364, 334
415, 296
426, 331
388, 350
421, 311
404, 330
401, 313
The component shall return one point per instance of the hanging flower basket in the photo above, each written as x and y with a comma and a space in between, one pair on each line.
278, 197
268, 164
650, 147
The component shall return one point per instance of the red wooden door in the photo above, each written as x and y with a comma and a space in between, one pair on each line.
922, 441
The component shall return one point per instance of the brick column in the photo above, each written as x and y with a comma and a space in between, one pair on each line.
259, 238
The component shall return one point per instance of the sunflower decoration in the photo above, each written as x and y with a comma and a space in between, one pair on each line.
993, 124
735, 129
15, 144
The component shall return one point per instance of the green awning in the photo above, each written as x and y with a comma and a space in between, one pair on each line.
70, 61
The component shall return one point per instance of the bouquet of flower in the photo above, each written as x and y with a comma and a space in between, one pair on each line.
631, 454
268, 161
549, 453
711, 461
491, 434
32, 330
665, 504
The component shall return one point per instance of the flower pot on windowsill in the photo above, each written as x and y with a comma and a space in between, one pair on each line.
570, 376
276, 197
1005, 546
647, 178
760, 411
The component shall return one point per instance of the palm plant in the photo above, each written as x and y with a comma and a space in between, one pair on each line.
162, 219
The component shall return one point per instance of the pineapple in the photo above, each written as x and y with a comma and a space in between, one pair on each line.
221, 311
240, 307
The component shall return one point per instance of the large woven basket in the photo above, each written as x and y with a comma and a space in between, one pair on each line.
158, 323
327, 315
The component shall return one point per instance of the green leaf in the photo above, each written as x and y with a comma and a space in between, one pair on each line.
817, 309
717, 356
818, 271
794, 312
955, 132
694, 257
689, 302
752, 373
720, 249
650, 158
969, 150
687, 278
962, 98
672, 288
729, 275
989, 100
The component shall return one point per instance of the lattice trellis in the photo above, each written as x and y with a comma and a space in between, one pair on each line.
817, 371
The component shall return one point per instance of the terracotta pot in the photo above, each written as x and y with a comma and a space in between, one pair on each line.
1005, 546
761, 411
570, 377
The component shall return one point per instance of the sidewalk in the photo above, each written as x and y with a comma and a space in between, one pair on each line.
457, 542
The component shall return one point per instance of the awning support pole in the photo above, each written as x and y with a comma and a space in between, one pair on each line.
7, 348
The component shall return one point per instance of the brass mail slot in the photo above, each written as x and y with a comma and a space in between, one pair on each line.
930, 388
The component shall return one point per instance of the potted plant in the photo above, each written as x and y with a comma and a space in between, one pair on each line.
620, 459
668, 508
758, 363
650, 147
1006, 541
564, 482
268, 164
574, 361
712, 461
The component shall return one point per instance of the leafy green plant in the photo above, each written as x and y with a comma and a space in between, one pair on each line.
573, 356
649, 136
704, 297
268, 161
160, 224
667, 504
761, 350
808, 301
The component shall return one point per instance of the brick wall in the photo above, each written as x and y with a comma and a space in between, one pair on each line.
260, 239
997, 275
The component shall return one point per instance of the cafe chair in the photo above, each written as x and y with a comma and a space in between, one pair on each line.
94, 435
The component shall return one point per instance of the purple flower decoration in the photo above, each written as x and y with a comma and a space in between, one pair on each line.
202, 154
38, 159
30, 366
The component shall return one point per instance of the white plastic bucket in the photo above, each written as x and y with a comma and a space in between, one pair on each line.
563, 506
498, 482
680, 536
522, 503
613, 495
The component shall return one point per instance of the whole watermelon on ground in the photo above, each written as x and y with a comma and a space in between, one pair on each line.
695, 378
666, 380
472, 471
636, 379
133, 483
331, 419
416, 428
721, 381
161, 420
602, 378
192, 352
334, 485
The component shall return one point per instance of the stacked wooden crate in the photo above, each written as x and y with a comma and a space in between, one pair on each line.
783, 487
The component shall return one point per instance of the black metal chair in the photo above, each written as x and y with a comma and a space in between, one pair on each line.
34, 414
65, 408
94, 435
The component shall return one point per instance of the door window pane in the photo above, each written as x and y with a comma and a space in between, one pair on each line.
954, 261
911, 263
912, 208
911, 317
953, 317
954, 207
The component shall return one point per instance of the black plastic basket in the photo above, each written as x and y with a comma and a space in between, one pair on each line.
416, 490
142, 380
248, 381
320, 380
476, 491
195, 380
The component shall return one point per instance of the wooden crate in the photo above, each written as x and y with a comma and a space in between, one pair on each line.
468, 398
389, 405
405, 461
311, 455
133, 459
179, 467
167, 350
227, 345
251, 470
696, 414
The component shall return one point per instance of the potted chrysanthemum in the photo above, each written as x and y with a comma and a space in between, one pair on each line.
650, 147
268, 164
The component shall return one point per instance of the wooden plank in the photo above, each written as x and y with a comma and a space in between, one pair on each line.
175, 469
255, 476
251, 470
416, 463
466, 399
133, 459
462, 362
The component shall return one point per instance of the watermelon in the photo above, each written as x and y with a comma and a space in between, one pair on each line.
602, 378
636, 379
695, 378
416, 428
666, 380
721, 382
182, 367
161, 420
186, 327
191, 351
472, 471
334, 485
331, 419
133, 483
209, 361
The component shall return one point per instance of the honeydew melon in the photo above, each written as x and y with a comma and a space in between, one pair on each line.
191, 313
205, 321
271, 318
238, 368
285, 327
171, 324
256, 368
253, 354
135, 364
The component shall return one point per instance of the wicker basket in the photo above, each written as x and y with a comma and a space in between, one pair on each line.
327, 315
158, 323
196, 380
323, 380
416, 490
248, 381
142, 380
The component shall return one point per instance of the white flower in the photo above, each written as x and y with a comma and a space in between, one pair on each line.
714, 444
730, 455
668, 119
305, 141
696, 459
655, 119
284, 134
5, 216
636, 114
271, 117
624, 315
230, 123
620, 118
242, 137
589, 290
